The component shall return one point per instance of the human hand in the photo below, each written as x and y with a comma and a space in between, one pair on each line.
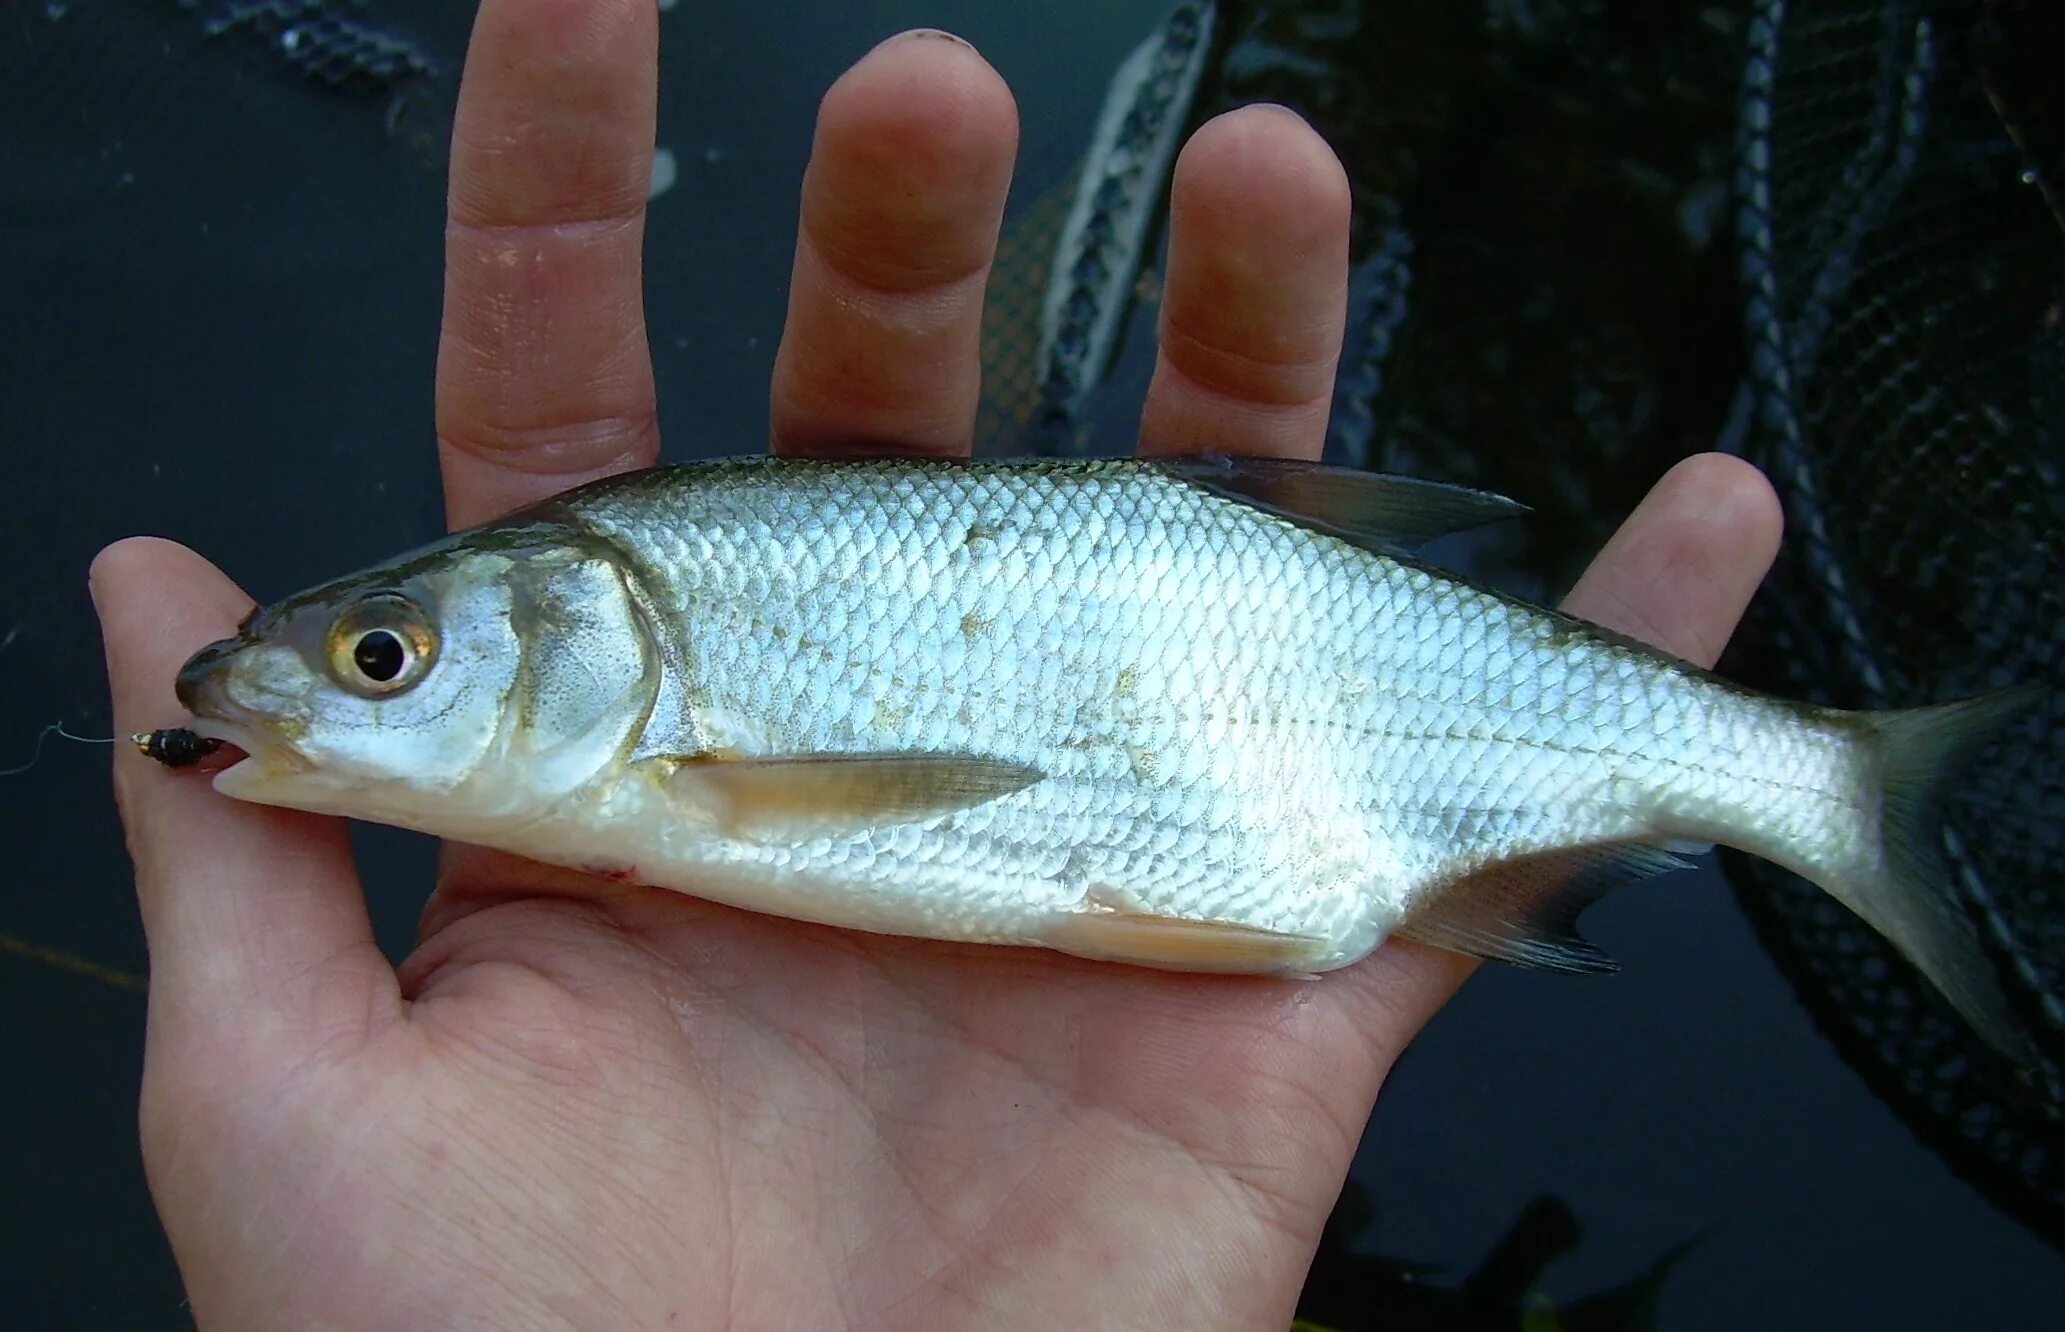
594, 1105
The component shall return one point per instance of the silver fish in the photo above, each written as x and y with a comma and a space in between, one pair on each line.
1200, 714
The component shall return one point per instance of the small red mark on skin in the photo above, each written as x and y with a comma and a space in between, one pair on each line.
614, 873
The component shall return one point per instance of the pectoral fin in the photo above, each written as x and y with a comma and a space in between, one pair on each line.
1174, 944
1525, 910
798, 797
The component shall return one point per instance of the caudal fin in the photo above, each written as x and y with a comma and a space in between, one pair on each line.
1907, 894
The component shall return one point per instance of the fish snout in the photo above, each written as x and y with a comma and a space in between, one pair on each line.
200, 683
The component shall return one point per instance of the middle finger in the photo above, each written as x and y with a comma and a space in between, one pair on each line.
901, 204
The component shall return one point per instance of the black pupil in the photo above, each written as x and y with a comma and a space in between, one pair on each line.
379, 656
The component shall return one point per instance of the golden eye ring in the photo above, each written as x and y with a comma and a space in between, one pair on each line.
381, 645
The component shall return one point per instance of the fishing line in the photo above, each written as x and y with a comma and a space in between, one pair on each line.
57, 728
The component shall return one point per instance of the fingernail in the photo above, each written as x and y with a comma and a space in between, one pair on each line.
909, 33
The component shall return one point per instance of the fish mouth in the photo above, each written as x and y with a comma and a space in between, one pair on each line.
203, 689
258, 758
248, 748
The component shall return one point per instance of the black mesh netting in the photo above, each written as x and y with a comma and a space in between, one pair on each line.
1903, 270
1549, 298
323, 39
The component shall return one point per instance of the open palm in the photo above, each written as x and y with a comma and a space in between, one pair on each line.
582, 1104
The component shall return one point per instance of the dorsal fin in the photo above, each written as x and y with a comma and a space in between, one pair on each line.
1525, 910
1377, 509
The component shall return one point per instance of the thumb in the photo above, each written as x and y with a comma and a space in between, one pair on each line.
254, 917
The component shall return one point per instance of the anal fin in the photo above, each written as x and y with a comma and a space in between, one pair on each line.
1176, 944
1525, 910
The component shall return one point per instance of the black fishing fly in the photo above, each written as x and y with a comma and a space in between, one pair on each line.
175, 746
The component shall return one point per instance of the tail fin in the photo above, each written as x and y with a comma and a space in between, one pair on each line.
1908, 895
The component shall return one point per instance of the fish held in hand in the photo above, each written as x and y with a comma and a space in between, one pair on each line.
1204, 714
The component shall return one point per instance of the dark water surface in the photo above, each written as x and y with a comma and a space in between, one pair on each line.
221, 283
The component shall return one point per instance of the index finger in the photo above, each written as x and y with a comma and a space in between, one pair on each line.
543, 376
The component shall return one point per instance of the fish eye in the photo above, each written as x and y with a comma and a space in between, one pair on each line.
381, 645
379, 655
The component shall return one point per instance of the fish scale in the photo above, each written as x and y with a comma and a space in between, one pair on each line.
1252, 754
1203, 715
1055, 705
